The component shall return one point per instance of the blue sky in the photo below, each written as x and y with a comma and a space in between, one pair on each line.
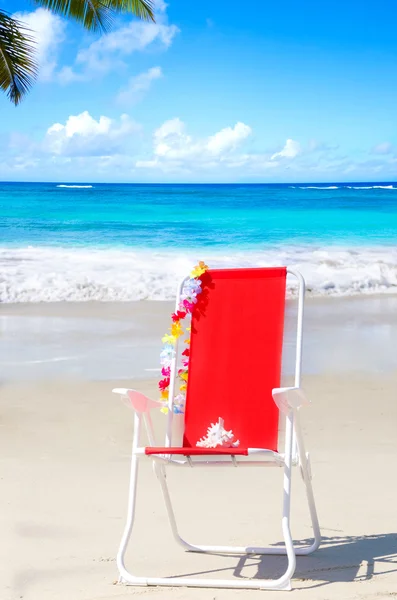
214, 91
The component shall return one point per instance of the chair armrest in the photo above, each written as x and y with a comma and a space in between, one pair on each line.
287, 398
136, 400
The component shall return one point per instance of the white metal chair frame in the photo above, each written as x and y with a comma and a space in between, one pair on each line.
289, 401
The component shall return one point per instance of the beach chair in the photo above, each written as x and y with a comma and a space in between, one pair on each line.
236, 348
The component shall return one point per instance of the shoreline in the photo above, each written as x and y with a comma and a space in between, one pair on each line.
104, 340
80, 306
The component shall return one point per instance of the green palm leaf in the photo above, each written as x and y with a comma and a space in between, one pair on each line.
98, 14
18, 68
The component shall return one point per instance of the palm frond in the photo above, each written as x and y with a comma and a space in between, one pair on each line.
98, 14
143, 9
18, 68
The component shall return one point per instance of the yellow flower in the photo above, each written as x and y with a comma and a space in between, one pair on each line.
199, 269
183, 387
183, 376
169, 339
196, 272
186, 341
164, 395
164, 410
176, 329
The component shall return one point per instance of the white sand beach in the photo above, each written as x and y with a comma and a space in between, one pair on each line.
64, 460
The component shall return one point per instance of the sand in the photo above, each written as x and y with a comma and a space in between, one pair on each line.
93, 340
64, 462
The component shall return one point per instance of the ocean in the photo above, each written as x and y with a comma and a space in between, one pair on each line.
122, 242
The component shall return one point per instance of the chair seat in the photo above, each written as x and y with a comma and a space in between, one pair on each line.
197, 451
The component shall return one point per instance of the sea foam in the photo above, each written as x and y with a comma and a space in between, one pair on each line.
42, 274
75, 186
344, 187
317, 187
371, 187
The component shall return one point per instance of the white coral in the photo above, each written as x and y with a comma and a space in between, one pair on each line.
218, 436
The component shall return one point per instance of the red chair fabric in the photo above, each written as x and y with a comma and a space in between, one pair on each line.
198, 451
235, 359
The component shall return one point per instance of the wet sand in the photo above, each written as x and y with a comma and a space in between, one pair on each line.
96, 340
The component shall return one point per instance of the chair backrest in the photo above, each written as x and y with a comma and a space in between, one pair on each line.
235, 355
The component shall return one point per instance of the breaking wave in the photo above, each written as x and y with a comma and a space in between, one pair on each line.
315, 187
371, 187
344, 187
42, 274
75, 186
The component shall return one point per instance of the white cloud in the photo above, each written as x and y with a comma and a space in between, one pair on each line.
174, 149
316, 146
160, 6
137, 86
171, 141
290, 150
99, 56
82, 135
84, 146
383, 148
229, 138
67, 75
109, 51
48, 30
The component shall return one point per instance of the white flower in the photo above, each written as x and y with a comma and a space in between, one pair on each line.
179, 403
166, 355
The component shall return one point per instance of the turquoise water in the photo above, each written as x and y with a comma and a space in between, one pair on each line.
124, 242
189, 216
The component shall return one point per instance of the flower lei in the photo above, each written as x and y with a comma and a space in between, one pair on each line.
190, 291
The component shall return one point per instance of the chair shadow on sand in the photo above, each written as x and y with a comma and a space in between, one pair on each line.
339, 559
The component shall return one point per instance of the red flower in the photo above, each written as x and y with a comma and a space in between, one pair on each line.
186, 352
164, 383
178, 315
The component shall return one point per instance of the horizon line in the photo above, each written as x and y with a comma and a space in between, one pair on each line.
289, 183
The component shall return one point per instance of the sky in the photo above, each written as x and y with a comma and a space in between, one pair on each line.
214, 91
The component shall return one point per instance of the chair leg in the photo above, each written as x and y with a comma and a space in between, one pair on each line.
161, 476
283, 582
124, 574
277, 550
307, 479
200, 548
289, 545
